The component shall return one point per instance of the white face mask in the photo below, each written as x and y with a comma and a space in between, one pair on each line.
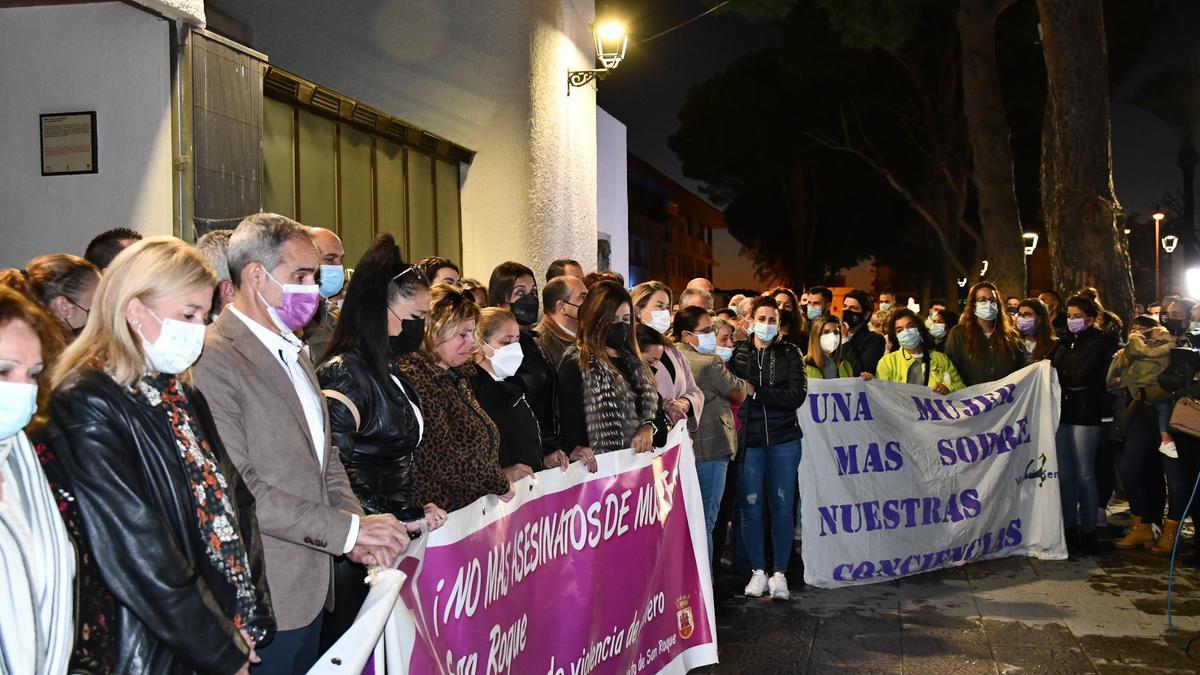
178, 345
506, 360
830, 342
18, 402
725, 353
706, 342
660, 320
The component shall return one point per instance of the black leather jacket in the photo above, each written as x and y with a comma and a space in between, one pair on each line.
1082, 362
780, 384
377, 451
172, 605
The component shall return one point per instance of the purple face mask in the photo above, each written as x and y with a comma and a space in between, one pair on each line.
1026, 324
299, 305
1077, 325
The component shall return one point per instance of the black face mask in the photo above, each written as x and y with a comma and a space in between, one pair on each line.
852, 318
412, 331
1175, 326
786, 316
525, 309
617, 337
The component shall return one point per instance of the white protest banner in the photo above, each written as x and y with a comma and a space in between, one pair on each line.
897, 480
578, 574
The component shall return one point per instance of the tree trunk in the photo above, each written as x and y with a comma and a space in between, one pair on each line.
991, 152
1077, 190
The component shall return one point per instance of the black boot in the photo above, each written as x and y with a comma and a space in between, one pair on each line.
1088, 543
1071, 535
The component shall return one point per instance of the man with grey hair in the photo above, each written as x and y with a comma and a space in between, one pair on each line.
696, 297
214, 246
271, 416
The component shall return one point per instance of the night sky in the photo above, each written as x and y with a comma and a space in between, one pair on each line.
650, 86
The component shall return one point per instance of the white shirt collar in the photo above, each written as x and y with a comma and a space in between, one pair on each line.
564, 329
287, 344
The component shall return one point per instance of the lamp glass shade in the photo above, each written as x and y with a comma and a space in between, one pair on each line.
611, 41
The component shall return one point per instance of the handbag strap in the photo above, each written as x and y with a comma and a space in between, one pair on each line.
345, 400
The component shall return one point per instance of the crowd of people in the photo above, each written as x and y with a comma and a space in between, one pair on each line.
202, 447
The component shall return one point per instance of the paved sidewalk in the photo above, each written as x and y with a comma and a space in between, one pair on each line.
1102, 614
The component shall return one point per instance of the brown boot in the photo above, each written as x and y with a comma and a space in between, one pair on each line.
1139, 534
1166, 540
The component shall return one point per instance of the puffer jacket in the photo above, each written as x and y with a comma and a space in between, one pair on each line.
1082, 362
1140, 363
377, 448
780, 385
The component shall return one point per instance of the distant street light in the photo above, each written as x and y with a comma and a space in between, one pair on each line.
962, 282
1169, 243
1158, 218
611, 39
1031, 242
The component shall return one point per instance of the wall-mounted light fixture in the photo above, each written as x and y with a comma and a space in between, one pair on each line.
962, 282
611, 40
1031, 242
1169, 243
983, 272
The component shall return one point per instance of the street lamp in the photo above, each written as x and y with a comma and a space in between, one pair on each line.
983, 272
611, 40
1158, 218
962, 282
1169, 243
1031, 242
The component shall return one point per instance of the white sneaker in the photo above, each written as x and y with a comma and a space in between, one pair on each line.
778, 586
757, 585
1168, 449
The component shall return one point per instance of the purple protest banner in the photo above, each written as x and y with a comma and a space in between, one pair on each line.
580, 573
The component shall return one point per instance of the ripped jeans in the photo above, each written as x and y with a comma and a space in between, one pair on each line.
768, 474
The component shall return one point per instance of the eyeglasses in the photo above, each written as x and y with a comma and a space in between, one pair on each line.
86, 311
411, 269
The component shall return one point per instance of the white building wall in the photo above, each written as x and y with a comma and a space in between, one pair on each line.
107, 57
612, 188
490, 76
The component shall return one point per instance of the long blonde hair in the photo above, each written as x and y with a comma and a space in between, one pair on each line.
149, 270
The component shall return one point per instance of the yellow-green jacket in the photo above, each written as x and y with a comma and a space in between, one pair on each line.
814, 373
893, 367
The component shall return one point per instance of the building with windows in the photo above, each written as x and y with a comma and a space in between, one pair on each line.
446, 124
670, 229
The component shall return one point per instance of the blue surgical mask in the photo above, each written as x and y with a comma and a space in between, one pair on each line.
706, 342
937, 330
987, 310
18, 402
909, 338
333, 277
725, 353
814, 312
766, 332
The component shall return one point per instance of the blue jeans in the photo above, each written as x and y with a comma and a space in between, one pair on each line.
712, 488
292, 651
1163, 410
1077, 446
772, 467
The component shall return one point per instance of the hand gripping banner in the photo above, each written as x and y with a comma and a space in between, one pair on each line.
579, 573
897, 480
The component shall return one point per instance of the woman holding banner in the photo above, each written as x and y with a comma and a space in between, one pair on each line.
458, 460
984, 346
915, 362
1033, 322
769, 444
607, 398
1081, 358
824, 360
375, 418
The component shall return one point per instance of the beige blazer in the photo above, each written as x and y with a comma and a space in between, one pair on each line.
304, 511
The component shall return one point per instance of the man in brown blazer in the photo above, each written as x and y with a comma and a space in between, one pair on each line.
271, 416
561, 299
